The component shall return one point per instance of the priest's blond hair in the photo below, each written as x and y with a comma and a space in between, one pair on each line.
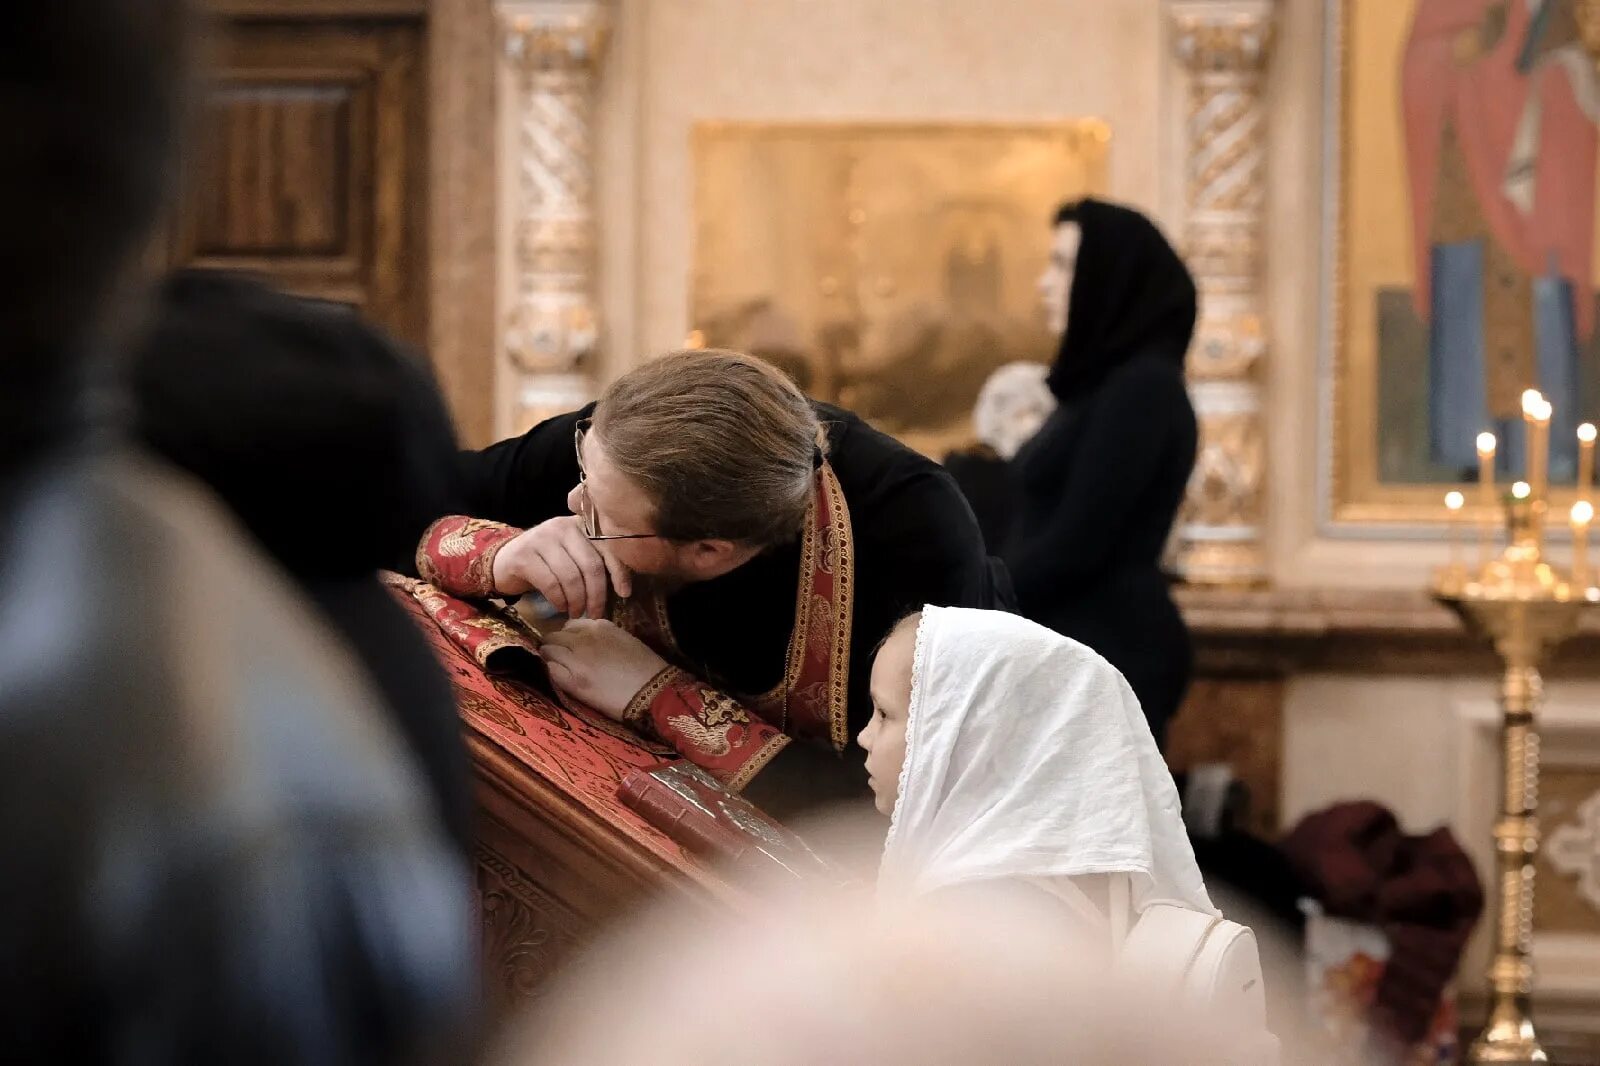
723, 443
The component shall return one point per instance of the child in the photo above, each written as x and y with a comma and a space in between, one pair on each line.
1004, 752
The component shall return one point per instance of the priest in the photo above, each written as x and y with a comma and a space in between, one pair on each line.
729, 552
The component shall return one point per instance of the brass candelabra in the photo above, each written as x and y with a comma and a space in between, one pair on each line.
1525, 605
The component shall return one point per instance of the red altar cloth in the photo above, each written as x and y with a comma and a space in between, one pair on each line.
580, 755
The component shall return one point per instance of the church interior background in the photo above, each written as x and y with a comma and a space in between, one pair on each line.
540, 193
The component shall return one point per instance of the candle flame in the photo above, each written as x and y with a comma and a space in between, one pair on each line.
1487, 443
1532, 400
1454, 500
1521, 490
1586, 433
1544, 412
1582, 513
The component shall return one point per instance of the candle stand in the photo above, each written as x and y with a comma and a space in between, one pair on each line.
1525, 605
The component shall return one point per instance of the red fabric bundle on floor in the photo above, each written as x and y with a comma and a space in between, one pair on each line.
1422, 891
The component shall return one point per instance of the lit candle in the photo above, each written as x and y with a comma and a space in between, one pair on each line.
1582, 515
1520, 518
1453, 502
1486, 450
1536, 413
1542, 491
1585, 460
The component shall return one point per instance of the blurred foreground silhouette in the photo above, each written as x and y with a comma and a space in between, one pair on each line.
807, 975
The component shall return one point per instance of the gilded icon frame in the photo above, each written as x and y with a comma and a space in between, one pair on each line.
1354, 495
853, 253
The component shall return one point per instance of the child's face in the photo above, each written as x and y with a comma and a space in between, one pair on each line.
884, 738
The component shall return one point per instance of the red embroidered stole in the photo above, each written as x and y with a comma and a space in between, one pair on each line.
811, 701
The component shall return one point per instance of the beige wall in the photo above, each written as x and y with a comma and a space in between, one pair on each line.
675, 62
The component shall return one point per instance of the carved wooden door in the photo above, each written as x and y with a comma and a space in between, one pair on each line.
310, 161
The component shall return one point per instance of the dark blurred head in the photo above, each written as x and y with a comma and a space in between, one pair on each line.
90, 96
327, 439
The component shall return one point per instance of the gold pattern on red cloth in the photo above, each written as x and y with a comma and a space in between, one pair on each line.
717, 709
821, 628
572, 751
519, 694
829, 559
477, 630
704, 740
471, 703
811, 700
819, 649
482, 633
710, 728
637, 713
456, 540
457, 554
535, 702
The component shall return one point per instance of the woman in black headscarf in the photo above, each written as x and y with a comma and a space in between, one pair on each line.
1103, 478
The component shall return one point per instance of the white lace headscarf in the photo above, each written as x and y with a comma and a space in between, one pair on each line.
1028, 758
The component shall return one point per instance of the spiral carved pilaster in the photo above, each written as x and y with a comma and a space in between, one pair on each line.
552, 52
1225, 46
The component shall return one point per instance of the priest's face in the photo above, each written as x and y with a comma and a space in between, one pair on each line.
1055, 284
884, 738
622, 515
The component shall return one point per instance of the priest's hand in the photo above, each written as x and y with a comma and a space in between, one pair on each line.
556, 560
599, 664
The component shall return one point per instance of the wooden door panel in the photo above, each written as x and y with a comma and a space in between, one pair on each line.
283, 158
311, 161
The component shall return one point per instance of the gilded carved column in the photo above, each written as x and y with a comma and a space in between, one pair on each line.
1224, 46
553, 50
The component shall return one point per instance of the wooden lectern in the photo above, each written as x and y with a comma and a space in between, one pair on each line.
557, 855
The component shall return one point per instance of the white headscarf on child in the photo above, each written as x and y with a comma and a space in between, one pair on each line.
1028, 758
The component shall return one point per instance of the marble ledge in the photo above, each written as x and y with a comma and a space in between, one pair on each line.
1277, 632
